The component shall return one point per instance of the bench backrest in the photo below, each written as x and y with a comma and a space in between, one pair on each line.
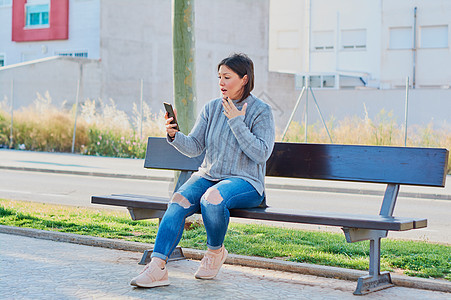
378, 164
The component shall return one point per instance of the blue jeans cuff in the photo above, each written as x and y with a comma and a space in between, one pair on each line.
159, 255
214, 247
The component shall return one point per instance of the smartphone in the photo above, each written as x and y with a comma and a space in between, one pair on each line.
171, 114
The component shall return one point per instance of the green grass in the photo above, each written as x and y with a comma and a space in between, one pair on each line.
412, 258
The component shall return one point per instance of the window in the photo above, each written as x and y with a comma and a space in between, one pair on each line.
315, 81
328, 81
81, 54
401, 38
434, 36
2, 60
37, 13
72, 53
353, 39
29, 55
351, 82
5, 3
323, 40
322, 81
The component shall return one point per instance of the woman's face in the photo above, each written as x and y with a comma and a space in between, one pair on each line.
230, 83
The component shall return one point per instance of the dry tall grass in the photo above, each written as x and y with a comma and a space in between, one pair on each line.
112, 133
5, 123
383, 130
103, 129
107, 117
44, 127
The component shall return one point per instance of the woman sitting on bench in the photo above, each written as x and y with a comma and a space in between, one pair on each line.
237, 134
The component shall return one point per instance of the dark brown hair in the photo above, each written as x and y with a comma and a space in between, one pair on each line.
242, 65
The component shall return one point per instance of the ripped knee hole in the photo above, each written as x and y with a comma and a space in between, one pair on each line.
213, 196
180, 200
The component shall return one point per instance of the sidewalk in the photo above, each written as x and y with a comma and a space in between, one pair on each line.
72, 271
134, 168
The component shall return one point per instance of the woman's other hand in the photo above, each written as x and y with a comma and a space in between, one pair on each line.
230, 110
170, 128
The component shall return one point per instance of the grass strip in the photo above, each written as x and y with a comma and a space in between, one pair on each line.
413, 258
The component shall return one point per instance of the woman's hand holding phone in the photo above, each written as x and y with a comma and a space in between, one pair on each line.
171, 120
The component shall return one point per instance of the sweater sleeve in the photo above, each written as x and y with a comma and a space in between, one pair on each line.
258, 142
194, 144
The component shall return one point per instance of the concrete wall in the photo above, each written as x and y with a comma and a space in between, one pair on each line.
426, 106
56, 75
142, 49
225, 27
136, 43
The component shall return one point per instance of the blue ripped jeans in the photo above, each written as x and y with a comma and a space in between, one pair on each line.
214, 199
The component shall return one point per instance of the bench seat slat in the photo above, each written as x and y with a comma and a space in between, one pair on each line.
278, 214
330, 219
135, 201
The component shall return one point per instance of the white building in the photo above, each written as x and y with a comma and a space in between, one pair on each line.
380, 42
355, 53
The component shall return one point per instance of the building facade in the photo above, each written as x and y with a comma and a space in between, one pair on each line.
28, 33
356, 54
362, 43
123, 44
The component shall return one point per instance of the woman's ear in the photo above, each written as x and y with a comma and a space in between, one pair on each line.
245, 79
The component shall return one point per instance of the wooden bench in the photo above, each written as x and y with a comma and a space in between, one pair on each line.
392, 166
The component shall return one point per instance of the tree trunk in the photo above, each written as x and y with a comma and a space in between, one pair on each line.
184, 65
184, 72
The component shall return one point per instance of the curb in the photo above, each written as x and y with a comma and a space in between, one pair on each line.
267, 185
84, 173
233, 259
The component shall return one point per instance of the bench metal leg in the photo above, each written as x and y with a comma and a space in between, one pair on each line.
177, 254
375, 280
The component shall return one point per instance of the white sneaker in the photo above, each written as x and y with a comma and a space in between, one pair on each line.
151, 276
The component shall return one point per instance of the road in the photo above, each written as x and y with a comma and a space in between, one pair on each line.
77, 190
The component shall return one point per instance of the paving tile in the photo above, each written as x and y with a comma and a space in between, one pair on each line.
43, 269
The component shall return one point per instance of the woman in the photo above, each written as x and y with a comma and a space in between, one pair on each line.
237, 134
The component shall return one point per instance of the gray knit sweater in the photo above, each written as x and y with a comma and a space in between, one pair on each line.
238, 147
